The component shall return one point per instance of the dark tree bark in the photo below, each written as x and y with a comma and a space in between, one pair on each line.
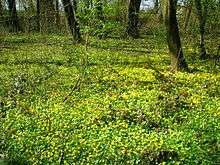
202, 14
156, 5
47, 16
71, 19
13, 16
173, 38
38, 14
1, 8
57, 13
133, 18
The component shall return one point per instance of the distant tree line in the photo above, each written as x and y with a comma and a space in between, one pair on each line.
48, 17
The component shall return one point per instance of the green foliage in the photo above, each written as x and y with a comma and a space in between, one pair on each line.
122, 113
95, 26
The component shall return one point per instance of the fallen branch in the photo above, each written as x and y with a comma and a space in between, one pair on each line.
75, 87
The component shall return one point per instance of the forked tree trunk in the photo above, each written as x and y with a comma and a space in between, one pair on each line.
133, 18
71, 19
202, 14
15, 27
173, 38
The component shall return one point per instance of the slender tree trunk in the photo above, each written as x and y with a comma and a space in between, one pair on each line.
173, 38
202, 14
1, 8
156, 5
160, 13
187, 17
71, 19
133, 18
57, 14
43, 15
13, 15
47, 16
38, 15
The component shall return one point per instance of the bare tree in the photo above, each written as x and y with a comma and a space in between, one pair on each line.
173, 38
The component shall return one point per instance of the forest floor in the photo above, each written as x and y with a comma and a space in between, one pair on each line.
113, 101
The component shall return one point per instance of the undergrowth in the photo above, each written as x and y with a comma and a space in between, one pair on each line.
105, 104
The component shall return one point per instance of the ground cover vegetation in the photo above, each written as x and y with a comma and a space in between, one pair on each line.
114, 85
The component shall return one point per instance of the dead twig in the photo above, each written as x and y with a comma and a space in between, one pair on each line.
75, 87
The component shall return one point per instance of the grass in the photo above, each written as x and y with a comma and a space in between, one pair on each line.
63, 104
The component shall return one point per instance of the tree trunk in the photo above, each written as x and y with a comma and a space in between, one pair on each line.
175, 50
15, 27
71, 19
187, 17
57, 14
133, 18
156, 5
202, 14
38, 15
1, 8
47, 14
